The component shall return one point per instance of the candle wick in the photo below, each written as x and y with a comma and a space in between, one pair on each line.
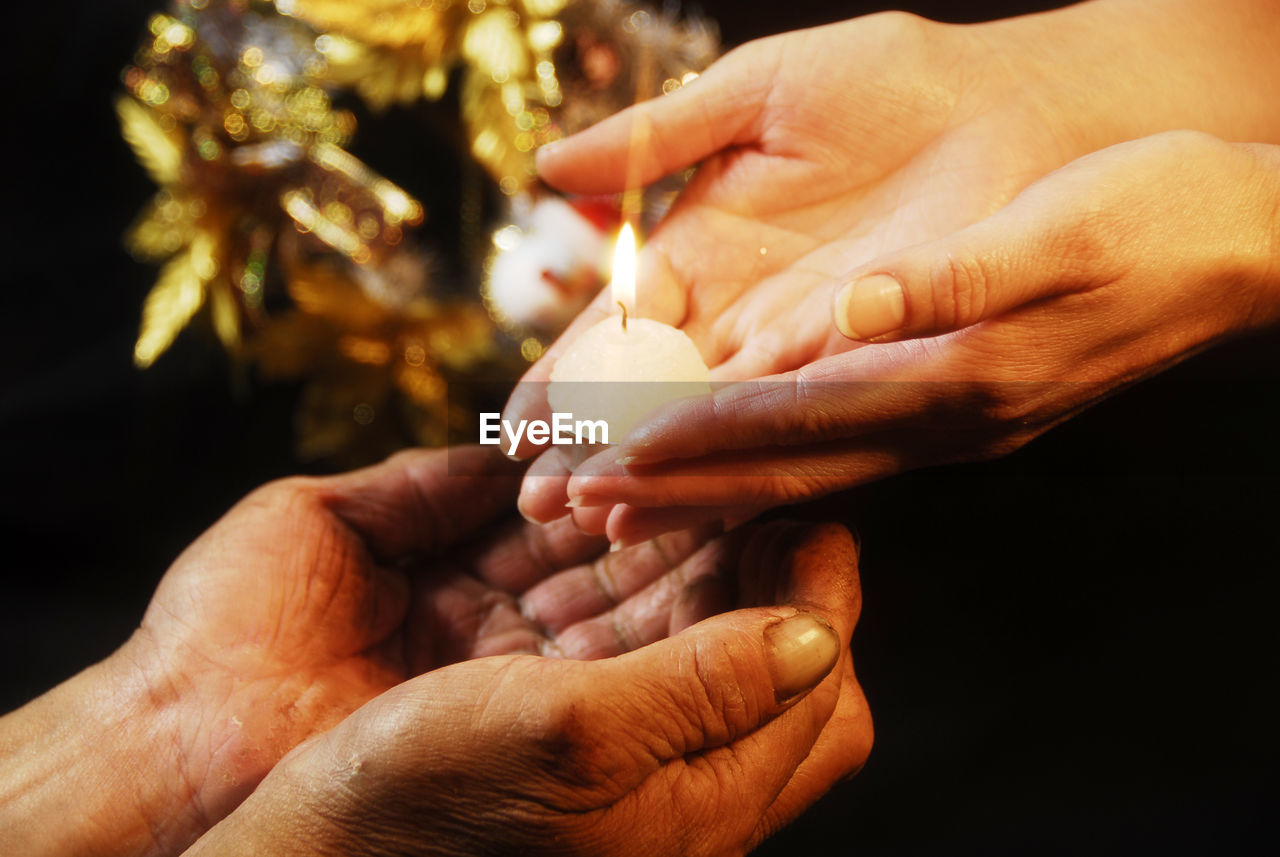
624, 316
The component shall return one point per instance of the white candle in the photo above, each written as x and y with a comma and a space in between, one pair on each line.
623, 368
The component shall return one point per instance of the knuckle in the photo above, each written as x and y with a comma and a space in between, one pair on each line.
408, 458
958, 290
806, 415
1181, 145
719, 703
899, 25
287, 492
1000, 404
293, 486
1088, 244
712, 702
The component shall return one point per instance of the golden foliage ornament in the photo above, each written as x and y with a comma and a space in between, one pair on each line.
308, 264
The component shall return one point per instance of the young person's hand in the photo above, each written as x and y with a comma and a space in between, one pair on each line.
1101, 274
823, 149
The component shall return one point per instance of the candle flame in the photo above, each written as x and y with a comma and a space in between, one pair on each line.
624, 269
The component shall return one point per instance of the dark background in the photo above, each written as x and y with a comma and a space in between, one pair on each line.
1069, 651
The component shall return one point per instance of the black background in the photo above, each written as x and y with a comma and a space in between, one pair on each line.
1069, 651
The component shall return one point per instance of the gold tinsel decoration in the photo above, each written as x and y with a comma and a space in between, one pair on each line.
304, 260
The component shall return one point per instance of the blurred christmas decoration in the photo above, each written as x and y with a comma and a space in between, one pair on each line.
546, 261
308, 264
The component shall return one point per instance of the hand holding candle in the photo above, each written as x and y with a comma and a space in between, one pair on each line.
625, 367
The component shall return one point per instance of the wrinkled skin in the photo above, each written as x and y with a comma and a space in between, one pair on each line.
688, 746
314, 596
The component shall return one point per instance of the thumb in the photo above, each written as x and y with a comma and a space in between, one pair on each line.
722, 714
422, 501
720, 679
663, 135
1020, 254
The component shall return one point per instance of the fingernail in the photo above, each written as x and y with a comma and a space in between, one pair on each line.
516, 454
544, 151
587, 500
870, 307
549, 648
520, 508
802, 650
635, 460
531, 517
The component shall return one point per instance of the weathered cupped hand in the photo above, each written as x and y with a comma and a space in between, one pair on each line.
314, 595
702, 743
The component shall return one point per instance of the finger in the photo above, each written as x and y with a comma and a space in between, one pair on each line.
521, 555
700, 599
528, 401
593, 519
632, 525
817, 570
662, 135
814, 566
822, 569
839, 753
715, 683
421, 501
783, 321
544, 491
761, 573
1026, 251
456, 617
645, 617
731, 726
591, 590
763, 478
836, 397
700, 586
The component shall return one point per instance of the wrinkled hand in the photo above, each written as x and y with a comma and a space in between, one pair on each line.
702, 743
825, 148
1101, 274
314, 595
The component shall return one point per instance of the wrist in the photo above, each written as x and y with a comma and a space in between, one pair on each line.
288, 815
1107, 71
89, 768
1262, 254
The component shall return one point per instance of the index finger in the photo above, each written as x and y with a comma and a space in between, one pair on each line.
422, 501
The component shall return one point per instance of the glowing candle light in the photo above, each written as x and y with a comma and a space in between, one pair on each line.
625, 367
623, 284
